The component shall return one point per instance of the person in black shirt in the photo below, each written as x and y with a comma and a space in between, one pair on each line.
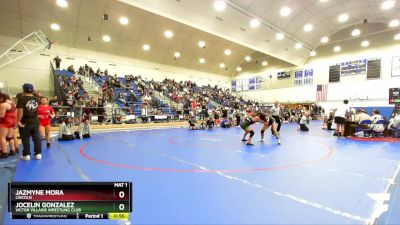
58, 62
28, 122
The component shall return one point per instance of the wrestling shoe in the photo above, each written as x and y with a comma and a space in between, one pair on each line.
279, 141
244, 140
250, 144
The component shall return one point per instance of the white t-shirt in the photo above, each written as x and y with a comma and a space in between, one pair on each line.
342, 110
275, 111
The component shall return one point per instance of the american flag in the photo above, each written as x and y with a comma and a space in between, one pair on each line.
322, 92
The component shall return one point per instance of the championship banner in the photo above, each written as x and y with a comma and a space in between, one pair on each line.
298, 78
252, 83
308, 77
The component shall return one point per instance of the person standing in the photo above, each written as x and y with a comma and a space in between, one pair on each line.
45, 114
276, 114
7, 124
341, 114
58, 62
28, 122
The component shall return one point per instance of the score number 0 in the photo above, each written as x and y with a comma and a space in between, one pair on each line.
121, 195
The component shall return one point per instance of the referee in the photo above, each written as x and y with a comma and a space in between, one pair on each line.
276, 112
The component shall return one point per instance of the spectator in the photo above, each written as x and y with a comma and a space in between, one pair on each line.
80, 103
27, 120
71, 69
376, 116
361, 116
55, 103
341, 114
84, 130
65, 132
70, 100
395, 124
58, 62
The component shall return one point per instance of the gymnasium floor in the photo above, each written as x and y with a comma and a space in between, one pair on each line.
210, 177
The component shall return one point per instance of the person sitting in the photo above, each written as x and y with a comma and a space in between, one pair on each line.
395, 124
376, 116
303, 122
328, 122
71, 69
65, 132
361, 116
209, 123
225, 123
192, 123
84, 130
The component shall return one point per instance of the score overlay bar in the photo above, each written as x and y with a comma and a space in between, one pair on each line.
71, 200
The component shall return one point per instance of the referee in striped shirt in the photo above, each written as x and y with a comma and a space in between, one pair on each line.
276, 112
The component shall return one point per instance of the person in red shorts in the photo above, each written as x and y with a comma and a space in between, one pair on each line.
45, 114
7, 125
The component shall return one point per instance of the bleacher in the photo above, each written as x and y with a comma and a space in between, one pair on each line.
135, 106
64, 73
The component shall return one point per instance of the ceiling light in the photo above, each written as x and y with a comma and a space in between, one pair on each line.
397, 36
337, 48
388, 4
365, 43
394, 23
221, 65
168, 34
202, 60
202, 44
106, 38
298, 45
177, 54
228, 52
279, 36
324, 39
247, 58
254, 23
355, 32
146, 47
264, 63
62, 3
323, 0
308, 27
55, 26
123, 20
343, 17
219, 5
313, 53
285, 11
238, 68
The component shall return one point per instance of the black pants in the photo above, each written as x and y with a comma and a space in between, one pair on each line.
67, 137
303, 127
31, 130
278, 121
83, 136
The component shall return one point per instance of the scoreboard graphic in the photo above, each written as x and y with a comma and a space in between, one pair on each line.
92, 200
